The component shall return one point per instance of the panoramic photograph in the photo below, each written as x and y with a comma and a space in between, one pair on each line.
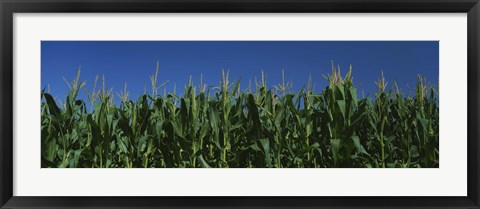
239, 104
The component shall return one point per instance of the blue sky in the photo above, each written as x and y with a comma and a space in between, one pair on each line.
134, 61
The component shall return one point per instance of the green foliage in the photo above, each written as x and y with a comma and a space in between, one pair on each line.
224, 127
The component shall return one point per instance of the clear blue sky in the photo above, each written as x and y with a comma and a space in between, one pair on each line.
134, 61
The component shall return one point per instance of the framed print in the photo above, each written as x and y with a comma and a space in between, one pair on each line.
239, 104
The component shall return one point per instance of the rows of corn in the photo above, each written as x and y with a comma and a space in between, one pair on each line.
257, 127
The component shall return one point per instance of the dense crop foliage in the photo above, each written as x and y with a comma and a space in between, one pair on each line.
256, 128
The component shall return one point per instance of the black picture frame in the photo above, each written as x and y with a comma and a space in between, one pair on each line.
9, 7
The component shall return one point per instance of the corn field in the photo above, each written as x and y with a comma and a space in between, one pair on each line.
258, 127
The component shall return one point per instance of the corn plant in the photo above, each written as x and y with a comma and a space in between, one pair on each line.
226, 127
